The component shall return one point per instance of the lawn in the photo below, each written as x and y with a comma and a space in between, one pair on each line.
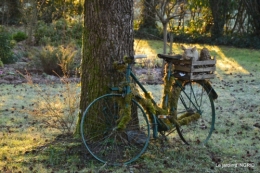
33, 137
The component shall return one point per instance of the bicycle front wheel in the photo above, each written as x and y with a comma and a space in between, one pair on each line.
104, 140
195, 98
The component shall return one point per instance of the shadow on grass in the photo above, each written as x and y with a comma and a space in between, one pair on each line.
64, 154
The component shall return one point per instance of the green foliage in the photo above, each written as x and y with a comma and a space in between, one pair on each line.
1, 63
44, 31
50, 11
19, 36
76, 28
6, 45
241, 41
215, 22
148, 16
236, 40
58, 32
58, 60
148, 33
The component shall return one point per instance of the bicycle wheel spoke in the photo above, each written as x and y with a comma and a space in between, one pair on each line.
105, 142
194, 99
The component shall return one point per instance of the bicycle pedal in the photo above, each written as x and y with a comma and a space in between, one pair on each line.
163, 116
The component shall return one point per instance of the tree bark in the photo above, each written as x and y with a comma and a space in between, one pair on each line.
107, 37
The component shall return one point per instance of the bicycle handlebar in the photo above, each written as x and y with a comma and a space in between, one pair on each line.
130, 59
140, 56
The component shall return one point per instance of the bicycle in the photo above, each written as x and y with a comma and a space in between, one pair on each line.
115, 127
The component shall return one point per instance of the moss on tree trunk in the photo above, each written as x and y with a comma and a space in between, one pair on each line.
107, 37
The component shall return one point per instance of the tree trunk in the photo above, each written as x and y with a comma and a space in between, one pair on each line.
164, 43
31, 22
219, 10
148, 15
165, 37
171, 41
107, 37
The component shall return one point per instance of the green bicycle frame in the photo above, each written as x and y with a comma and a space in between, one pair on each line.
155, 122
129, 74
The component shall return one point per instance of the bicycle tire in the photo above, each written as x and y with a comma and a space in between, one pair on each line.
196, 100
101, 137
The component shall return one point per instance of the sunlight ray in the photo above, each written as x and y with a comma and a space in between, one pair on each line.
227, 64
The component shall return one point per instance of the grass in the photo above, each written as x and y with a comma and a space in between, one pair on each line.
28, 144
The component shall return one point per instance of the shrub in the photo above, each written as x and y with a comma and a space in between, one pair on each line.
76, 31
44, 41
6, 45
58, 60
56, 107
19, 36
43, 31
58, 32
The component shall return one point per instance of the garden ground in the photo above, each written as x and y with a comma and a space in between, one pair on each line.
29, 144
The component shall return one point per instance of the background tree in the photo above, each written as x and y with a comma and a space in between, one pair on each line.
148, 23
30, 18
107, 37
52, 10
200, 20
10, 12
240, 18
166, 11
220, 9
163, 11
253, 9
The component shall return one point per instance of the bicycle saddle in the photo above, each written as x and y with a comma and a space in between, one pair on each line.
170, 58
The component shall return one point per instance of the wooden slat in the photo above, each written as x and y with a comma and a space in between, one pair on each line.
176, 62
186, 62
191, 76
202, 76
207, 62
193, 69
203, 69
182, 68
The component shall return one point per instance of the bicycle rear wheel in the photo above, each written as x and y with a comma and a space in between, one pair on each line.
194, 99
102, 138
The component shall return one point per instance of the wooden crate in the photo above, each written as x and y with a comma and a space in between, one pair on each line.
194, 70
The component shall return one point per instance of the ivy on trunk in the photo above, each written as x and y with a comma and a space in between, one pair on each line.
107, 37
